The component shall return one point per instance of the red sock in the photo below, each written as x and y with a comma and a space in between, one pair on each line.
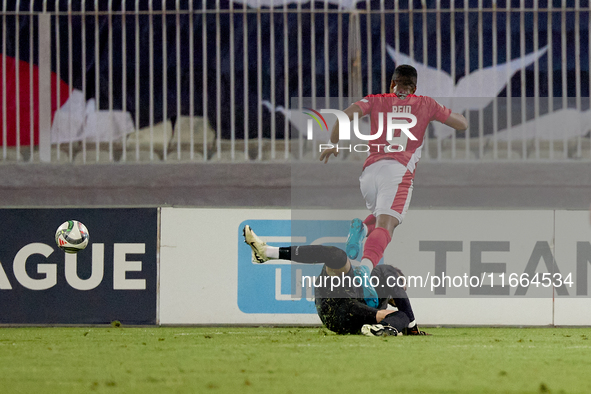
375, 245
370, 223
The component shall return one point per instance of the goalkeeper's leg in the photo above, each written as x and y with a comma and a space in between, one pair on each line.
396, 295
333, 258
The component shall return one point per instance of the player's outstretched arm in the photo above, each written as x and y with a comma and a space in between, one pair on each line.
334, 135
457, 121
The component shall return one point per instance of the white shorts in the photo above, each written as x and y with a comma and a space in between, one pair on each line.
387, 186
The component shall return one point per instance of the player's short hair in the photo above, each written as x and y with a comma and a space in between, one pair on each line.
405, 73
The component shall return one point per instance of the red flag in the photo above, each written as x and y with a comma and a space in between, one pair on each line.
24, 101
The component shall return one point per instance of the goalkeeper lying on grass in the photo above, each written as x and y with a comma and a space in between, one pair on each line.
348, 308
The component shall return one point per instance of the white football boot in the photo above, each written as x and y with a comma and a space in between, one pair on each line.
379, 330
259, 248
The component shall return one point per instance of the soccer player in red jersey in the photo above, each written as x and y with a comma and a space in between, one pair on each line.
388, 172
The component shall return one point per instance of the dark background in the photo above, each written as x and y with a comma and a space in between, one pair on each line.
62, 304
204, 28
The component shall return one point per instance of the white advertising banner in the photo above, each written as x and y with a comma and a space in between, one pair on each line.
466, 260
199, 268
463, 267
573, 254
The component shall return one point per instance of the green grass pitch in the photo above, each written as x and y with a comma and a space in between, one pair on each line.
292, 360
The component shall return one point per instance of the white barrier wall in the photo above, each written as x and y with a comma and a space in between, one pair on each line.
573, 251
207, 277
199, 268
